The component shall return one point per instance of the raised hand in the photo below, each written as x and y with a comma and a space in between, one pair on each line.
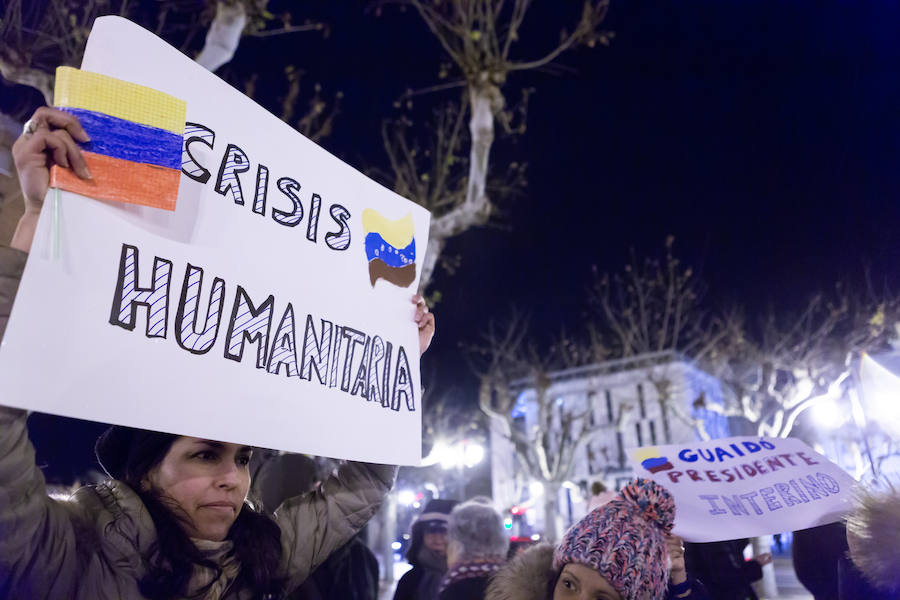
675, 546
48, 139
425, 322
763, 559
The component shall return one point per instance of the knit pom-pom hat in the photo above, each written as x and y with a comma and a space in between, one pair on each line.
625, 541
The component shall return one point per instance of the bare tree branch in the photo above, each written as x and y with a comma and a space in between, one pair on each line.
12, 71
477, 36
36, 42
655, 305
286, 30
548, 438
801, 359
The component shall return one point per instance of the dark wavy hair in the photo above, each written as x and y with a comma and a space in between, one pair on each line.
416, 543
172, 557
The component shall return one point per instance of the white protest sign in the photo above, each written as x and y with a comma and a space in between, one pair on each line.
269, 325
742, 487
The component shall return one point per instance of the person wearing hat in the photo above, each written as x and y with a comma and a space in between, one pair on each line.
476, 549
620, 551
427, 553
174, 520
599, 496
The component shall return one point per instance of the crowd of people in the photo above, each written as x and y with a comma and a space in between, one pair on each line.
623, 549
174, 519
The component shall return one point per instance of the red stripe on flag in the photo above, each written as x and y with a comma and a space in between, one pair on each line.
121, 181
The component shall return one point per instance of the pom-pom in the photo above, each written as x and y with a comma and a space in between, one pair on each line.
655, 502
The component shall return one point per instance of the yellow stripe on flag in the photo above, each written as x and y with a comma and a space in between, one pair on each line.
117, 98
398, 233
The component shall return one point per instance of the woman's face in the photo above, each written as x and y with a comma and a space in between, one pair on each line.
435, 538
580, 582
208, 481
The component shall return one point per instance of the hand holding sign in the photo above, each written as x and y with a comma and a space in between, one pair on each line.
48, 139
677, 570
425, 322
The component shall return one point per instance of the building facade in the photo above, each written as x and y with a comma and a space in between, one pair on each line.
647, 400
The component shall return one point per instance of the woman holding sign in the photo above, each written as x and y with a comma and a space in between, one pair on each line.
174, 521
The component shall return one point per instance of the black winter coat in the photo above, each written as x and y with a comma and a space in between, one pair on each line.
467, 589
419, 583
722, 569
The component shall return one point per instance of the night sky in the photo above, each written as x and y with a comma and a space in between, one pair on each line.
765, 136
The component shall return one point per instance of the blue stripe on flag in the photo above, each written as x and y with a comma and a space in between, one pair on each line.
376, 247
127, 140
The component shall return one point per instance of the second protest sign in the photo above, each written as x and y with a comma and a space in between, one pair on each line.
742, 487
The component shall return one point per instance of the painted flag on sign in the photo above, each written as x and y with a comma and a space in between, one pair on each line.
136, 135
390, 248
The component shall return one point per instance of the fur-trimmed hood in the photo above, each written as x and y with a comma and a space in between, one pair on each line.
873, 533
525, 577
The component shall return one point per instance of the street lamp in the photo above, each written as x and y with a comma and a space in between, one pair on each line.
406, 497
828, 415
457, 456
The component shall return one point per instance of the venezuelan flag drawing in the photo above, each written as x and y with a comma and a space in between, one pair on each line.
135, 150
390, 248
652, 461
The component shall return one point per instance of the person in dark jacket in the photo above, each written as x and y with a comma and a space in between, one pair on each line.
476, 549
427, 553
722, 568
619, 551
349, 573
816, 553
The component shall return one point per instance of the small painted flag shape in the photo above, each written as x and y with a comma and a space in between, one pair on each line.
136, 134
390, 248
651, 460
657, 464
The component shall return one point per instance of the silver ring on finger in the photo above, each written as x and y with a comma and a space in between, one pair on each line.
29, 128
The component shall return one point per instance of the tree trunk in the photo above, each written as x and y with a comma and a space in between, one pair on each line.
12, 69
476, 208
481, 127
223, 36
386, 520
552, 519
435, 247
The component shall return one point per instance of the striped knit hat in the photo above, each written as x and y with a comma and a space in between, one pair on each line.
625, 541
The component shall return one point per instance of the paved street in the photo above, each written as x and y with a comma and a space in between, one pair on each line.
788, 586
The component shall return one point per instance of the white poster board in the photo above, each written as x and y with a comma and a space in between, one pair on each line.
741, 487
79, 345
